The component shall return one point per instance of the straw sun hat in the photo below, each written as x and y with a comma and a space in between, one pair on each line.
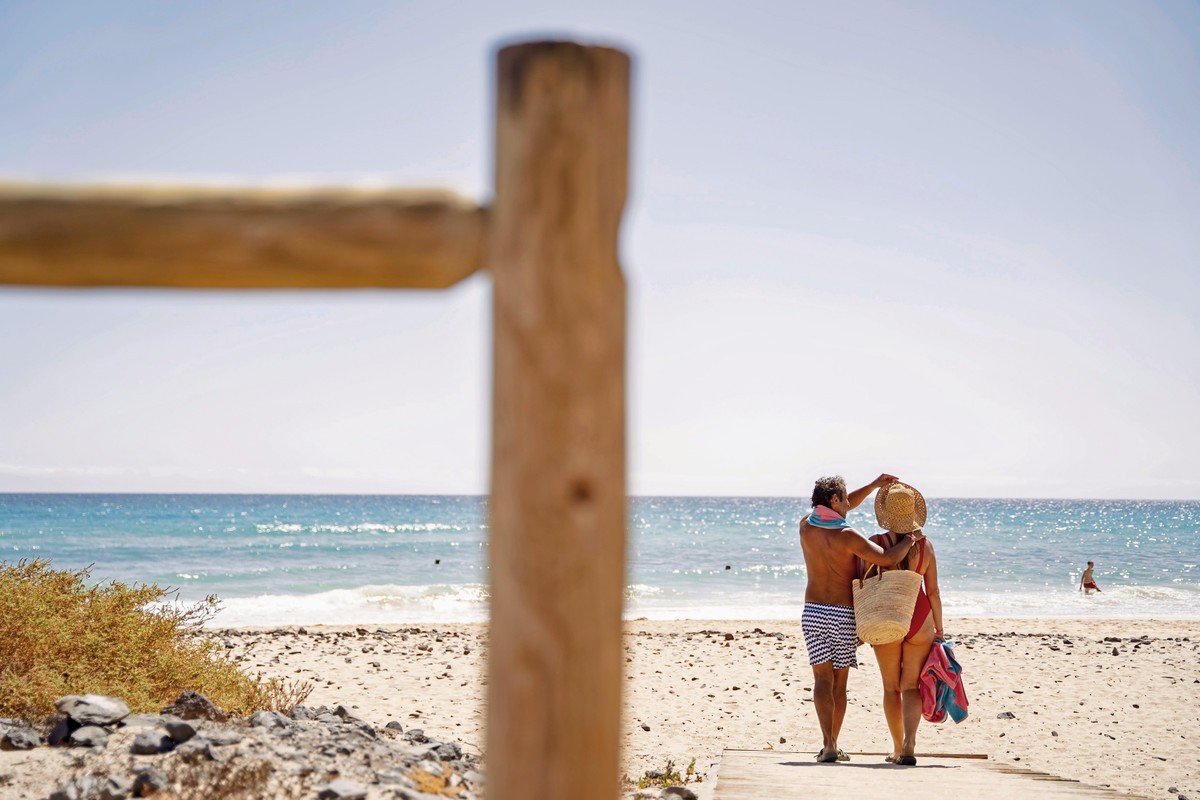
899, 508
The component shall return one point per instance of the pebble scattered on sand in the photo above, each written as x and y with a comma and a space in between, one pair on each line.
1077, 711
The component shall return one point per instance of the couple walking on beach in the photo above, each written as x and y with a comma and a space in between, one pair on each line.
834, 555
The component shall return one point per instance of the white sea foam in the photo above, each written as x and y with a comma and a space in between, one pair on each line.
444, 603
775, 569
362, 527
1115, 602
380, 604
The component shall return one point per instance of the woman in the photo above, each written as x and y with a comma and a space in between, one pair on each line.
900, 509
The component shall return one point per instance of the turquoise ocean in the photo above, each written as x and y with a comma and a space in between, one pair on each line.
347, 559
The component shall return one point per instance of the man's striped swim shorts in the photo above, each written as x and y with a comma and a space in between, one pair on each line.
829, 634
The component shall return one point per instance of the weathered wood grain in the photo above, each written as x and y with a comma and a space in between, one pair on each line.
237, 238
558, 509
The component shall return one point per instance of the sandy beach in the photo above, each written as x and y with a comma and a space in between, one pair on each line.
1125, 719
1109, 703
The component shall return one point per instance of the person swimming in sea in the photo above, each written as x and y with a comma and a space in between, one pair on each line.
1087, 583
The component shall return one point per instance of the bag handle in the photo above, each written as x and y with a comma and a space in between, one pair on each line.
867, 574
864, 570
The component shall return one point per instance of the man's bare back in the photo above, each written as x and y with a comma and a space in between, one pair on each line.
830, 557
830, 552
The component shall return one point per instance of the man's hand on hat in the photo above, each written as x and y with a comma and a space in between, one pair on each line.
885, 480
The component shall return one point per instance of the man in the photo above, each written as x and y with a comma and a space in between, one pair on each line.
831, 549
1087, 583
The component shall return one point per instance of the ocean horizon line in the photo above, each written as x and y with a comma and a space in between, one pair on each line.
653, 496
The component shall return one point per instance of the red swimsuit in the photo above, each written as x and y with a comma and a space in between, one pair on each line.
922, 608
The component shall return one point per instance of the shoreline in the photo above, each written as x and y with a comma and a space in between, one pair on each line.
962, 622
1126, 721
467, 605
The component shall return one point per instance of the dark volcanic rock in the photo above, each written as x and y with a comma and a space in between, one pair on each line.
20, 739
93, 709
149, 781
342, 789
197, 749
193, 705
393, 777
90, 736
83, 787
93, 787
115, 787
681, 792
344, 713
141, 721
222, 737
270, 720
179, 730
61, 729
303, 713
363, 727
151, 742
416, 736
448, 751
302, 754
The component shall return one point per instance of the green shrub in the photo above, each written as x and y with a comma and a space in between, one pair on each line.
667, 776
59, 636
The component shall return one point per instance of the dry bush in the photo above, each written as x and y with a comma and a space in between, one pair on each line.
274, 694
59, 636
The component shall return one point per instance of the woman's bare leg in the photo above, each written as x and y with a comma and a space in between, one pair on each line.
888, 656
913, 658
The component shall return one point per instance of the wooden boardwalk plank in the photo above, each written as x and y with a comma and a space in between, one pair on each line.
762, 774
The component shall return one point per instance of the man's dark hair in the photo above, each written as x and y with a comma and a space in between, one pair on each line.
826, 489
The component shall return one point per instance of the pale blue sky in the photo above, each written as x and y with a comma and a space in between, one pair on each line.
956, 241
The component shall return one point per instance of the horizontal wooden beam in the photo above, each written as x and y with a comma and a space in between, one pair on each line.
54, 235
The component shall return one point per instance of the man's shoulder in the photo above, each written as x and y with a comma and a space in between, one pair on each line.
836, 538
843, 537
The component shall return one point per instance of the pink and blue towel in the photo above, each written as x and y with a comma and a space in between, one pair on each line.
826, 517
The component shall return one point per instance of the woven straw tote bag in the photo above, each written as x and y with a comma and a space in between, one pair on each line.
884, 603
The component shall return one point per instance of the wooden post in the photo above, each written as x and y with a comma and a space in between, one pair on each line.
558, 510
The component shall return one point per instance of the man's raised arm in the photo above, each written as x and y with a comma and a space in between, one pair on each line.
872, 553
856, 497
